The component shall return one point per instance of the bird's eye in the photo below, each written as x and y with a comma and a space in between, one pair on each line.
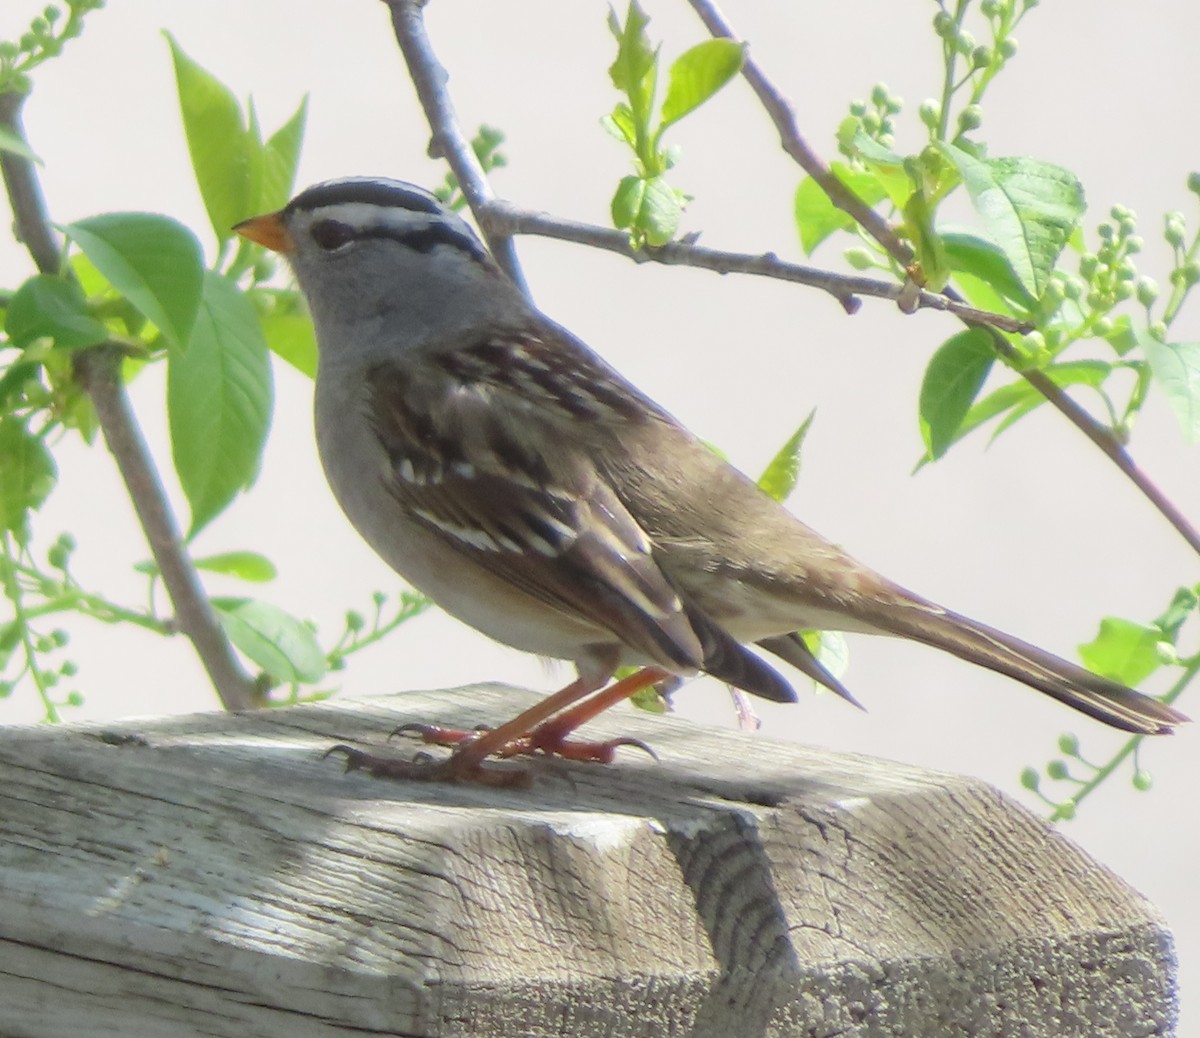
331, 234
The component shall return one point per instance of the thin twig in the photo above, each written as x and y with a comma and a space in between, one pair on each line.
780, 111
448, 141
782, 116
511, 219
97, 369
31, 224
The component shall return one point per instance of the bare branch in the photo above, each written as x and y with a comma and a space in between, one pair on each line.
98, 372
448, 141
780, 111
782, 116
511, 219
33, 227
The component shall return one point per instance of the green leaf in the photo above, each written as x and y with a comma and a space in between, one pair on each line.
661, 210
627, 201
1019, 398
1029, 209
55, 308
1123, 651
226, 157
890, 169
10, 142
832, 652
1175, 366
977, 257
635, 70
697, 74
1183, 604
27, 473
620, 124
219, 399
780, 475
152, 260
955, 374
245, 565
283, 646
1072, 373
290, 337
280, 157
817, 217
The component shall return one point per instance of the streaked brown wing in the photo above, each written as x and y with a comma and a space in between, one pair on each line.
526, 508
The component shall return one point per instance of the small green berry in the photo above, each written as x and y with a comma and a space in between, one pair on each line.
943, 25
1193, 183
970, 118
1030, 779
859, 258
1147, 291
1057, 770
1068, 743
1007, 48
1142, 780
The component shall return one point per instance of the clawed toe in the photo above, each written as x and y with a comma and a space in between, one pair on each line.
424, 767
436, 735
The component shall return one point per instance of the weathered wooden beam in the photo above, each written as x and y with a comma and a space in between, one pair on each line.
213, 875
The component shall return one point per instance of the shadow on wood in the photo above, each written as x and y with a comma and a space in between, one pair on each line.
213, 875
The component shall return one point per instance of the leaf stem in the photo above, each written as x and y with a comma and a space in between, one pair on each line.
21, 616
1068, 807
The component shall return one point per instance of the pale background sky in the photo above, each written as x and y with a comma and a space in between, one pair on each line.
1038, 535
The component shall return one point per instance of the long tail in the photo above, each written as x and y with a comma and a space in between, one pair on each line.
1105, 700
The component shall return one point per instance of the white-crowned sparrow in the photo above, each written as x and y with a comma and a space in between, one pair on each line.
503, 468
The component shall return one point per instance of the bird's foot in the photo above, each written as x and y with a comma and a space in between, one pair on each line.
424, 768
549, 739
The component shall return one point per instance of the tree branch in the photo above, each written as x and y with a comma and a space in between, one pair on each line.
98, 372
31, 223
511, 219
783, 117
448, 141
780, 111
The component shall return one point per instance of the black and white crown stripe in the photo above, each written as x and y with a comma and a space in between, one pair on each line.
357, 208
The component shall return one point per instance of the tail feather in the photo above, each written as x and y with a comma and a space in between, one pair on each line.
728, 660
792, 649
1106, 700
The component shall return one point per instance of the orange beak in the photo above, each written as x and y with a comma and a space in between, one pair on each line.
267, 230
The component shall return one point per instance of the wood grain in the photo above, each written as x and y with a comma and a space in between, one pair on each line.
213, 875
